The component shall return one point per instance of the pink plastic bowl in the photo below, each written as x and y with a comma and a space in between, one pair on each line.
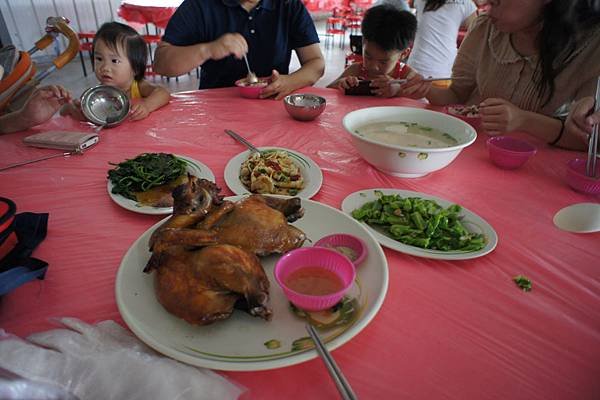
320, 257
355, 244
509, 152
254, 91
578, 180
475, 122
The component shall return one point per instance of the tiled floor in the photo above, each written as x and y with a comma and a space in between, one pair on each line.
71, 76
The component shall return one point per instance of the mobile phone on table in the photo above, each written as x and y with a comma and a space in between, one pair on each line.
362, 89
62, 140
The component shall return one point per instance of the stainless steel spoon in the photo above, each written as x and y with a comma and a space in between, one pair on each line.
251, 77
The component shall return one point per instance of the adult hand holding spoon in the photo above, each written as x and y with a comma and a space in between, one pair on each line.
226, 45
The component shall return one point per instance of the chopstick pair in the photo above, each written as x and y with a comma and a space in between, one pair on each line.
336, 374
590, 167
242, 140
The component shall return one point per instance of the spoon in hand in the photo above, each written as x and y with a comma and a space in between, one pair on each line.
251, 77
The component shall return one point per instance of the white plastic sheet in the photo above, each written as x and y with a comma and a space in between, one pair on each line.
102, 361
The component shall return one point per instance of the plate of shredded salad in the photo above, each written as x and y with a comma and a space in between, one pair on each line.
275, 170
421, 225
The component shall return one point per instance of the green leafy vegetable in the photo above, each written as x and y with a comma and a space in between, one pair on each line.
523, 282
420, 222
145, 172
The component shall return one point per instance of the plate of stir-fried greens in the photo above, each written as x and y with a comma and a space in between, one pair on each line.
421, 225
144, 183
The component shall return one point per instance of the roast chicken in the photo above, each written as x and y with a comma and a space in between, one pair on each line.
206, 253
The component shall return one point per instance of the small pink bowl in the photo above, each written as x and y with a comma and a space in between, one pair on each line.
251, 91
509, 152
320, 257
345, 244
474, 121
579, 181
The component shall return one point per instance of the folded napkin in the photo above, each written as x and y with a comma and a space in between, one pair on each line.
104, 361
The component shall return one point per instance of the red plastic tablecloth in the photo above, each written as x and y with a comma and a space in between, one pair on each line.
148, 12
451, 330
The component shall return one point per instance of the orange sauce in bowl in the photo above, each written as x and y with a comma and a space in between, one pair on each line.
314, 281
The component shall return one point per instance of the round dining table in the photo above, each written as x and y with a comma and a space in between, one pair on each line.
447, 329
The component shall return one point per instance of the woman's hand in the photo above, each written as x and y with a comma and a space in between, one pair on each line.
579, 122
73, 110
499, 116
138, 111
414, 87
383, 87
44, 103
280, 86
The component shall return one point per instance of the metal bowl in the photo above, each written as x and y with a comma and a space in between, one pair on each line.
105, 105
304, 107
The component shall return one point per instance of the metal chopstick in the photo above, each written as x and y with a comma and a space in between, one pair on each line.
36, 160
241, 140
401, 81
590, 169
340, 380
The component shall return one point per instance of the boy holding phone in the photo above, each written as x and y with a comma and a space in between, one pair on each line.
387, 35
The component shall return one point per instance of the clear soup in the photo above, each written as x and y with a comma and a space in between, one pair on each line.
408, 134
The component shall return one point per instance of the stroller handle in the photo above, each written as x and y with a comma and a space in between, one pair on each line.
59, 24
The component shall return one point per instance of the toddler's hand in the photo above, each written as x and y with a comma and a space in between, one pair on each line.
347, 82
383, 87
138, 111
499, 116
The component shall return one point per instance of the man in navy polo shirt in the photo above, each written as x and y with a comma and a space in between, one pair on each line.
217, 33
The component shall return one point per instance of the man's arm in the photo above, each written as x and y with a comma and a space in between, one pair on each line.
312, 65
171, 60
312, 68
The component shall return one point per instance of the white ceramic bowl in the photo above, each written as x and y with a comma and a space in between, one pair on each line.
403, 161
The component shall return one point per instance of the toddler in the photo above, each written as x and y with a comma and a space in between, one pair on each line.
120, 57
387, 35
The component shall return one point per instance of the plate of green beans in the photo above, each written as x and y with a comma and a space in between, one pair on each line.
421, 225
